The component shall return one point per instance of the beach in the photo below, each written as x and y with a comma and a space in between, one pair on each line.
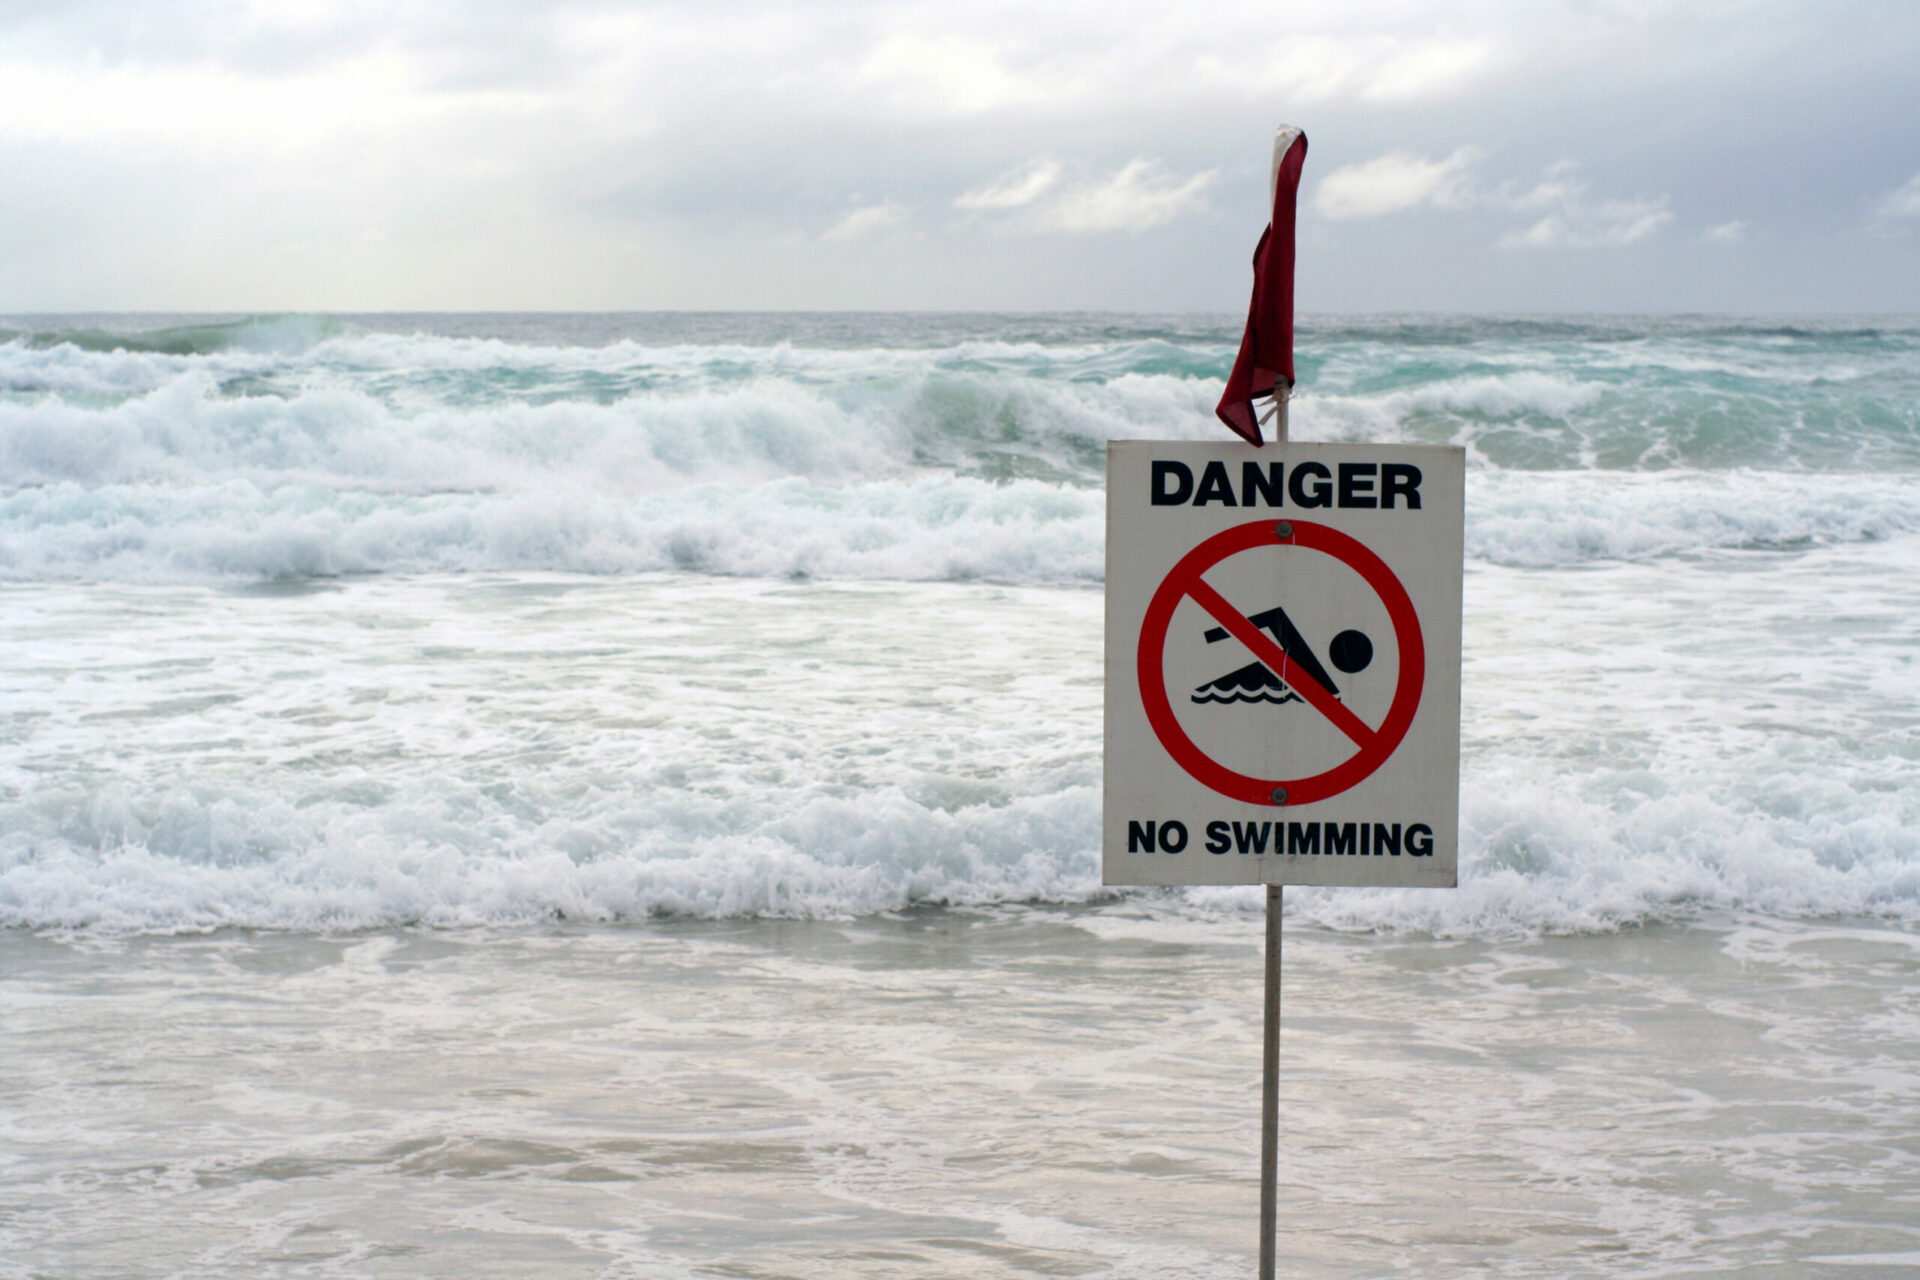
619, 795
1006, 1091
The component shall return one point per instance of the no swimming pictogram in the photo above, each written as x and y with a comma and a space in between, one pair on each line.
1284, 664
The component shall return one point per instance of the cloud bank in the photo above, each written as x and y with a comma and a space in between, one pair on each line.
338, 154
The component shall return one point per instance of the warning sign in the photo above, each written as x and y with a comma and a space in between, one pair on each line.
1283, 664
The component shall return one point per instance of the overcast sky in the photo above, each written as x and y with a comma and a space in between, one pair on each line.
1614, 155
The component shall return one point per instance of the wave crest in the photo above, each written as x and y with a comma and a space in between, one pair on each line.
361, 450
1533, 860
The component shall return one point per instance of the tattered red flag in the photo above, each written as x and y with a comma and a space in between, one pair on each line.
1265, 361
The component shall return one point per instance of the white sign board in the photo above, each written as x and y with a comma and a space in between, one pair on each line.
1283, 664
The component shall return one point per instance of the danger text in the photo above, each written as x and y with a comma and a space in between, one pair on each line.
1384, 486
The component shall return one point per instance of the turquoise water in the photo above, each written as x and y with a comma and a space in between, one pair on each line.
892, 447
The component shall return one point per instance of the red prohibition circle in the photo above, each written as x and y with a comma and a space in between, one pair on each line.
1374, 745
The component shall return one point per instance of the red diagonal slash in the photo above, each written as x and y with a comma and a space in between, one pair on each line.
1275, 658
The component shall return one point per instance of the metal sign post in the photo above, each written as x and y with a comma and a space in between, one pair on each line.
1270, 1007
1282, 681
1270, 1091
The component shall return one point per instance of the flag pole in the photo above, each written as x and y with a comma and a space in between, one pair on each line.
1264, 367
1276, 900
1270, 1047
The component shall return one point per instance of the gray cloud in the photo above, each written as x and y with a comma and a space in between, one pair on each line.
1012, 190
1395, 182
1903, 202
580, 153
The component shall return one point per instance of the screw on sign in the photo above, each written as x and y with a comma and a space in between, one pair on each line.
1372, 744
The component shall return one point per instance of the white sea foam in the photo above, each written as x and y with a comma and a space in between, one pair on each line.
907, 480
181, 861
1545, 519
1534, 859
1712, 715
1539, 858
922, 525
465, 750
1511, 395
508, 369
395, 351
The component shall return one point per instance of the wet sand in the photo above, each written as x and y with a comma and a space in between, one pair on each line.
1001, 1092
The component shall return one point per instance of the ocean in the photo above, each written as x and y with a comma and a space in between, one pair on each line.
618, 795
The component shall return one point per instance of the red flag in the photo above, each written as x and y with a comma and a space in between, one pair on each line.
1266, 348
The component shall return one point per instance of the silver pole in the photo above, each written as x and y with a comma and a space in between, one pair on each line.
1270, 1091
1270, 1048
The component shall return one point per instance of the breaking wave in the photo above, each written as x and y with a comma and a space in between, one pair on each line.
290, 334
444, 852
907, 448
